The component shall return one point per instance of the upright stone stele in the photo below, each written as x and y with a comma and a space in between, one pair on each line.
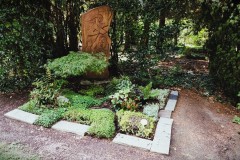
95, 25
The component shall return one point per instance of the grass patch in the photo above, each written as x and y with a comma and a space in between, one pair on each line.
15, 151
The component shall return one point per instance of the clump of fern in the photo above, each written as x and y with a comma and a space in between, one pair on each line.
77, 64
148, 92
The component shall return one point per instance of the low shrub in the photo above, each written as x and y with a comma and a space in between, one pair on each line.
45, 92
77, 64
136, 123
151, 110
125, 99
101, 121
126, 95
50, 117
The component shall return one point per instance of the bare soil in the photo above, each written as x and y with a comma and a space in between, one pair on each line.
202, 129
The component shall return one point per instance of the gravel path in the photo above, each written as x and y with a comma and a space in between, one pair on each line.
202, 129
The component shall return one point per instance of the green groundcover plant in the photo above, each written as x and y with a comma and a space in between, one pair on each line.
101, 121
78, 64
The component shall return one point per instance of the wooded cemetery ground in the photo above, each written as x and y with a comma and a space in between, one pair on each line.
202, 129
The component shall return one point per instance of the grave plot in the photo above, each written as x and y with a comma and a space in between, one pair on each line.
134, 115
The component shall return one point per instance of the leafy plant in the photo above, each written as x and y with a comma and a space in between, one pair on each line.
136, 123
236, 119
125, 99
124, 83
118, 84
148, 92
77, 64
45, 93
47, 119
125, 96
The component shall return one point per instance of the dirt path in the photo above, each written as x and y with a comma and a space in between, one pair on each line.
201, 130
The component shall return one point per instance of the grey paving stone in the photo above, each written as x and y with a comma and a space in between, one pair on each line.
22, 116
133, 141
71, 127
162, 137
167, 121
175, 93
165, 113
171, 104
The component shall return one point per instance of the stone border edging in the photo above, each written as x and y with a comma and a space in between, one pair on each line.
71, 127
160, 143
23, 116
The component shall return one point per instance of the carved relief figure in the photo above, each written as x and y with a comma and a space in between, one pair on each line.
95, 26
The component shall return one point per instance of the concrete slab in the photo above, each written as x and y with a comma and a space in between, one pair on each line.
133, 141
171, 104
165, 114
162, 137
23, 116
71, 127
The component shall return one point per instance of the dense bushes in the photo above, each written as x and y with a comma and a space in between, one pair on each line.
24, 43
223, 43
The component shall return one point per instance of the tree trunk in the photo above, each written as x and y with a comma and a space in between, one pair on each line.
73, 24
145, 36
160, 40
60, 35
114, 54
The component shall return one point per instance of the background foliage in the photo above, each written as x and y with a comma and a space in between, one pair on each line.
142, 32
24, 46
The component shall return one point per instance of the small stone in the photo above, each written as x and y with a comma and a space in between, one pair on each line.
144, 122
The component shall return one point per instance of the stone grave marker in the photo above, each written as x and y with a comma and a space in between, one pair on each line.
95, 25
